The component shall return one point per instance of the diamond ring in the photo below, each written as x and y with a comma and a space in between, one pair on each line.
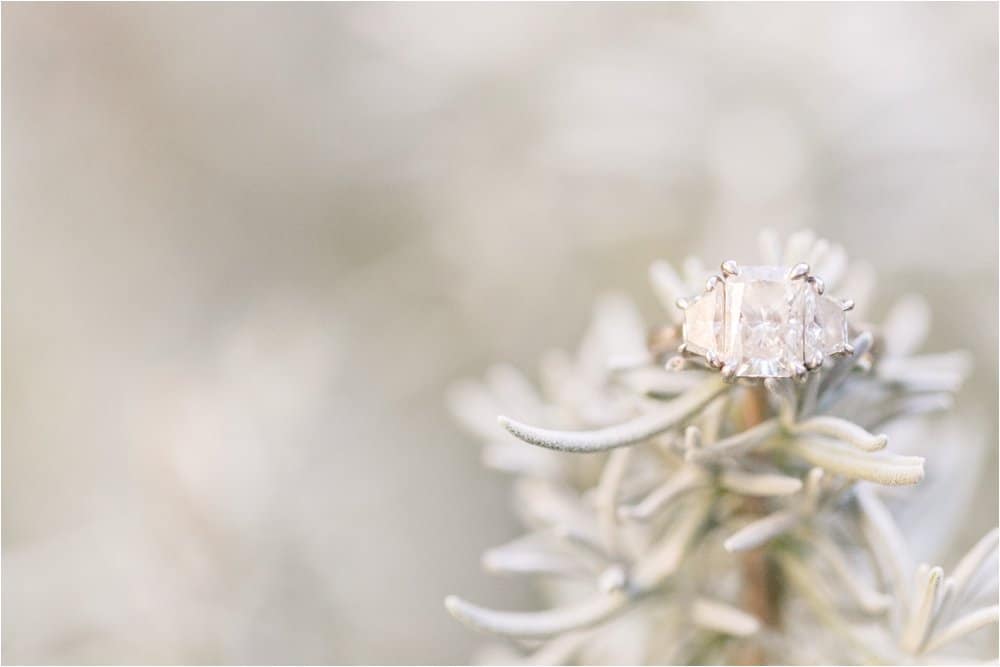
764, 322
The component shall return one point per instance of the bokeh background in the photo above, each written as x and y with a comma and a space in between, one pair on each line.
246, 248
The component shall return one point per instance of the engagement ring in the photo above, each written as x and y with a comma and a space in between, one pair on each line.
764, 322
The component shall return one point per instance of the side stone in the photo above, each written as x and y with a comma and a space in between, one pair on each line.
703, 323
826, 327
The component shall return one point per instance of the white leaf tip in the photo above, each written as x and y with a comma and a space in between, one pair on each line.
453, 604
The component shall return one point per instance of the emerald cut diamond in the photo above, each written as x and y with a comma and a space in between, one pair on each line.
764, 316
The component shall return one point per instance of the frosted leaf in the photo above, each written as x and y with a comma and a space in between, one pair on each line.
690, 479
537, 624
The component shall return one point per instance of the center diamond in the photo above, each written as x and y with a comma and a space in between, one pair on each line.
764, 312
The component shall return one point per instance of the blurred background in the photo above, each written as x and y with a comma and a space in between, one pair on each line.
247, 247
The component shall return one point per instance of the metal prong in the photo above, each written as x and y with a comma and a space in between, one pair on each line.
682, 303
800, 373
728, 372
817, 284
847, 304
730, 268
713, 359
712, 282
682, 348
814, 362
848, 349
799, 271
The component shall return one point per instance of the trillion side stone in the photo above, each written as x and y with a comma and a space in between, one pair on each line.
703, 323
763, 331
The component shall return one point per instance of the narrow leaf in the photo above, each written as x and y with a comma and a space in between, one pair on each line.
754, 484
843, 366
665, 557
972, 561
963, 626
682, 481
867, 598
761, 531
770, 246
831, 268
668, 288
537, 624
723, 618
798, 246
842, 430
529, 562
886, 541
889, 470
607, 497
531, 555
739, 443
803, 580
906, 325
929, 373
858, 284
921, 609
640, 428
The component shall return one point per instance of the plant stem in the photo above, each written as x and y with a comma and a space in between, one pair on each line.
761, 592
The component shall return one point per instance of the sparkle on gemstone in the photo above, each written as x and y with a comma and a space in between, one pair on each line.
764, 324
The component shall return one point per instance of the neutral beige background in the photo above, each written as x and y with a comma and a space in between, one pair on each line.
246, 247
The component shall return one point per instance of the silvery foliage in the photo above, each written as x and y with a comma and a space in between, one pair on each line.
635, 492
